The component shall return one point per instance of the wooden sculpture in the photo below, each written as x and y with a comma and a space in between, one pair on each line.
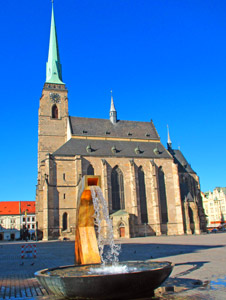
86, 247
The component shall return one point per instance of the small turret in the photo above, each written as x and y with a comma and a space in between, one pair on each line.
113, 112
169, 143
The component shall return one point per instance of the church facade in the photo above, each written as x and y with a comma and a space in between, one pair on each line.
148, 188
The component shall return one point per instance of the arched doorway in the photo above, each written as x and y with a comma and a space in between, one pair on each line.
191, 218
121, 229
64, 221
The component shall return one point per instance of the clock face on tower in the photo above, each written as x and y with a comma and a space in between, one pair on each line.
55, 98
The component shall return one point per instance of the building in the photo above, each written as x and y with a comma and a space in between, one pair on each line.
140, 178
215, 207
191, 200
16, 216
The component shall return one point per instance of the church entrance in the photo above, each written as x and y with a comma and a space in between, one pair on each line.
191, 218
122, 233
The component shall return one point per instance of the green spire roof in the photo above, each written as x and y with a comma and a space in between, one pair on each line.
53, 66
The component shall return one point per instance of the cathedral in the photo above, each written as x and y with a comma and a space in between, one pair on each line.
150, 190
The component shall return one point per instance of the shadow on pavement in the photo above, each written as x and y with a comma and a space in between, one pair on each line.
155, 251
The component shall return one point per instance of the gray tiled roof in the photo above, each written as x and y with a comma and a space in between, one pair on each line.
183, 165
104, 148
122, 129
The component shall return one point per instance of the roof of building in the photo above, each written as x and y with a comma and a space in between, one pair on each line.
221, 188
119, 213
183, 165
16, 207
28, 206
121, 129
9, 208
109, 148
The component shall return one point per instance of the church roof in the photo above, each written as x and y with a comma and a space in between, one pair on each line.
121, 129
115, 148
119, 213
183, 165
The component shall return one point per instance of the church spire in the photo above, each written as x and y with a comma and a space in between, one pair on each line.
113, 112
169, 143
53, 66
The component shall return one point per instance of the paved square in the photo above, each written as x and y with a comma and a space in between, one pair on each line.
197, 257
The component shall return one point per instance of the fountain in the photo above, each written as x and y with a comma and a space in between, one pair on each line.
96, 274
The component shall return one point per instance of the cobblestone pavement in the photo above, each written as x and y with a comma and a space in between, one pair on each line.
199, 272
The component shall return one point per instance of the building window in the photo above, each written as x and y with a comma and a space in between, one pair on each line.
142, 193
162, 193
33, 219
23, 219
117, 185
90, 170
64, 176
28, 226
28, 219
54, 112
64, 196
64, 221
33, 226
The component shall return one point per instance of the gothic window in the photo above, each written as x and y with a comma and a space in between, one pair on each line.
162, 193
142, 193
90, 170
65, 221
117, 185
54, 112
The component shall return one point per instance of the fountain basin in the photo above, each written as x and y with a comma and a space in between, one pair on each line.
86, 282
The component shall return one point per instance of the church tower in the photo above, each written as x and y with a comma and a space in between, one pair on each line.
52, 134
53, 108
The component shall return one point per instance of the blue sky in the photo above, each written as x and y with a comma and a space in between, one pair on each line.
164, 60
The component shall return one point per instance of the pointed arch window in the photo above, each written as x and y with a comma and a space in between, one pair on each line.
65, 217
117, 184
142, 194
162, 193
54, 112
90, 170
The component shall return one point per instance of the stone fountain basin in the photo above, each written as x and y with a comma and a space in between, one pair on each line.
75, 282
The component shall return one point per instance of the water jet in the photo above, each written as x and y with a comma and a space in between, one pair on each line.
95, 275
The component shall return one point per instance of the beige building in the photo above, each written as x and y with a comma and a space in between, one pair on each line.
214, 204
14, 216
141, 179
